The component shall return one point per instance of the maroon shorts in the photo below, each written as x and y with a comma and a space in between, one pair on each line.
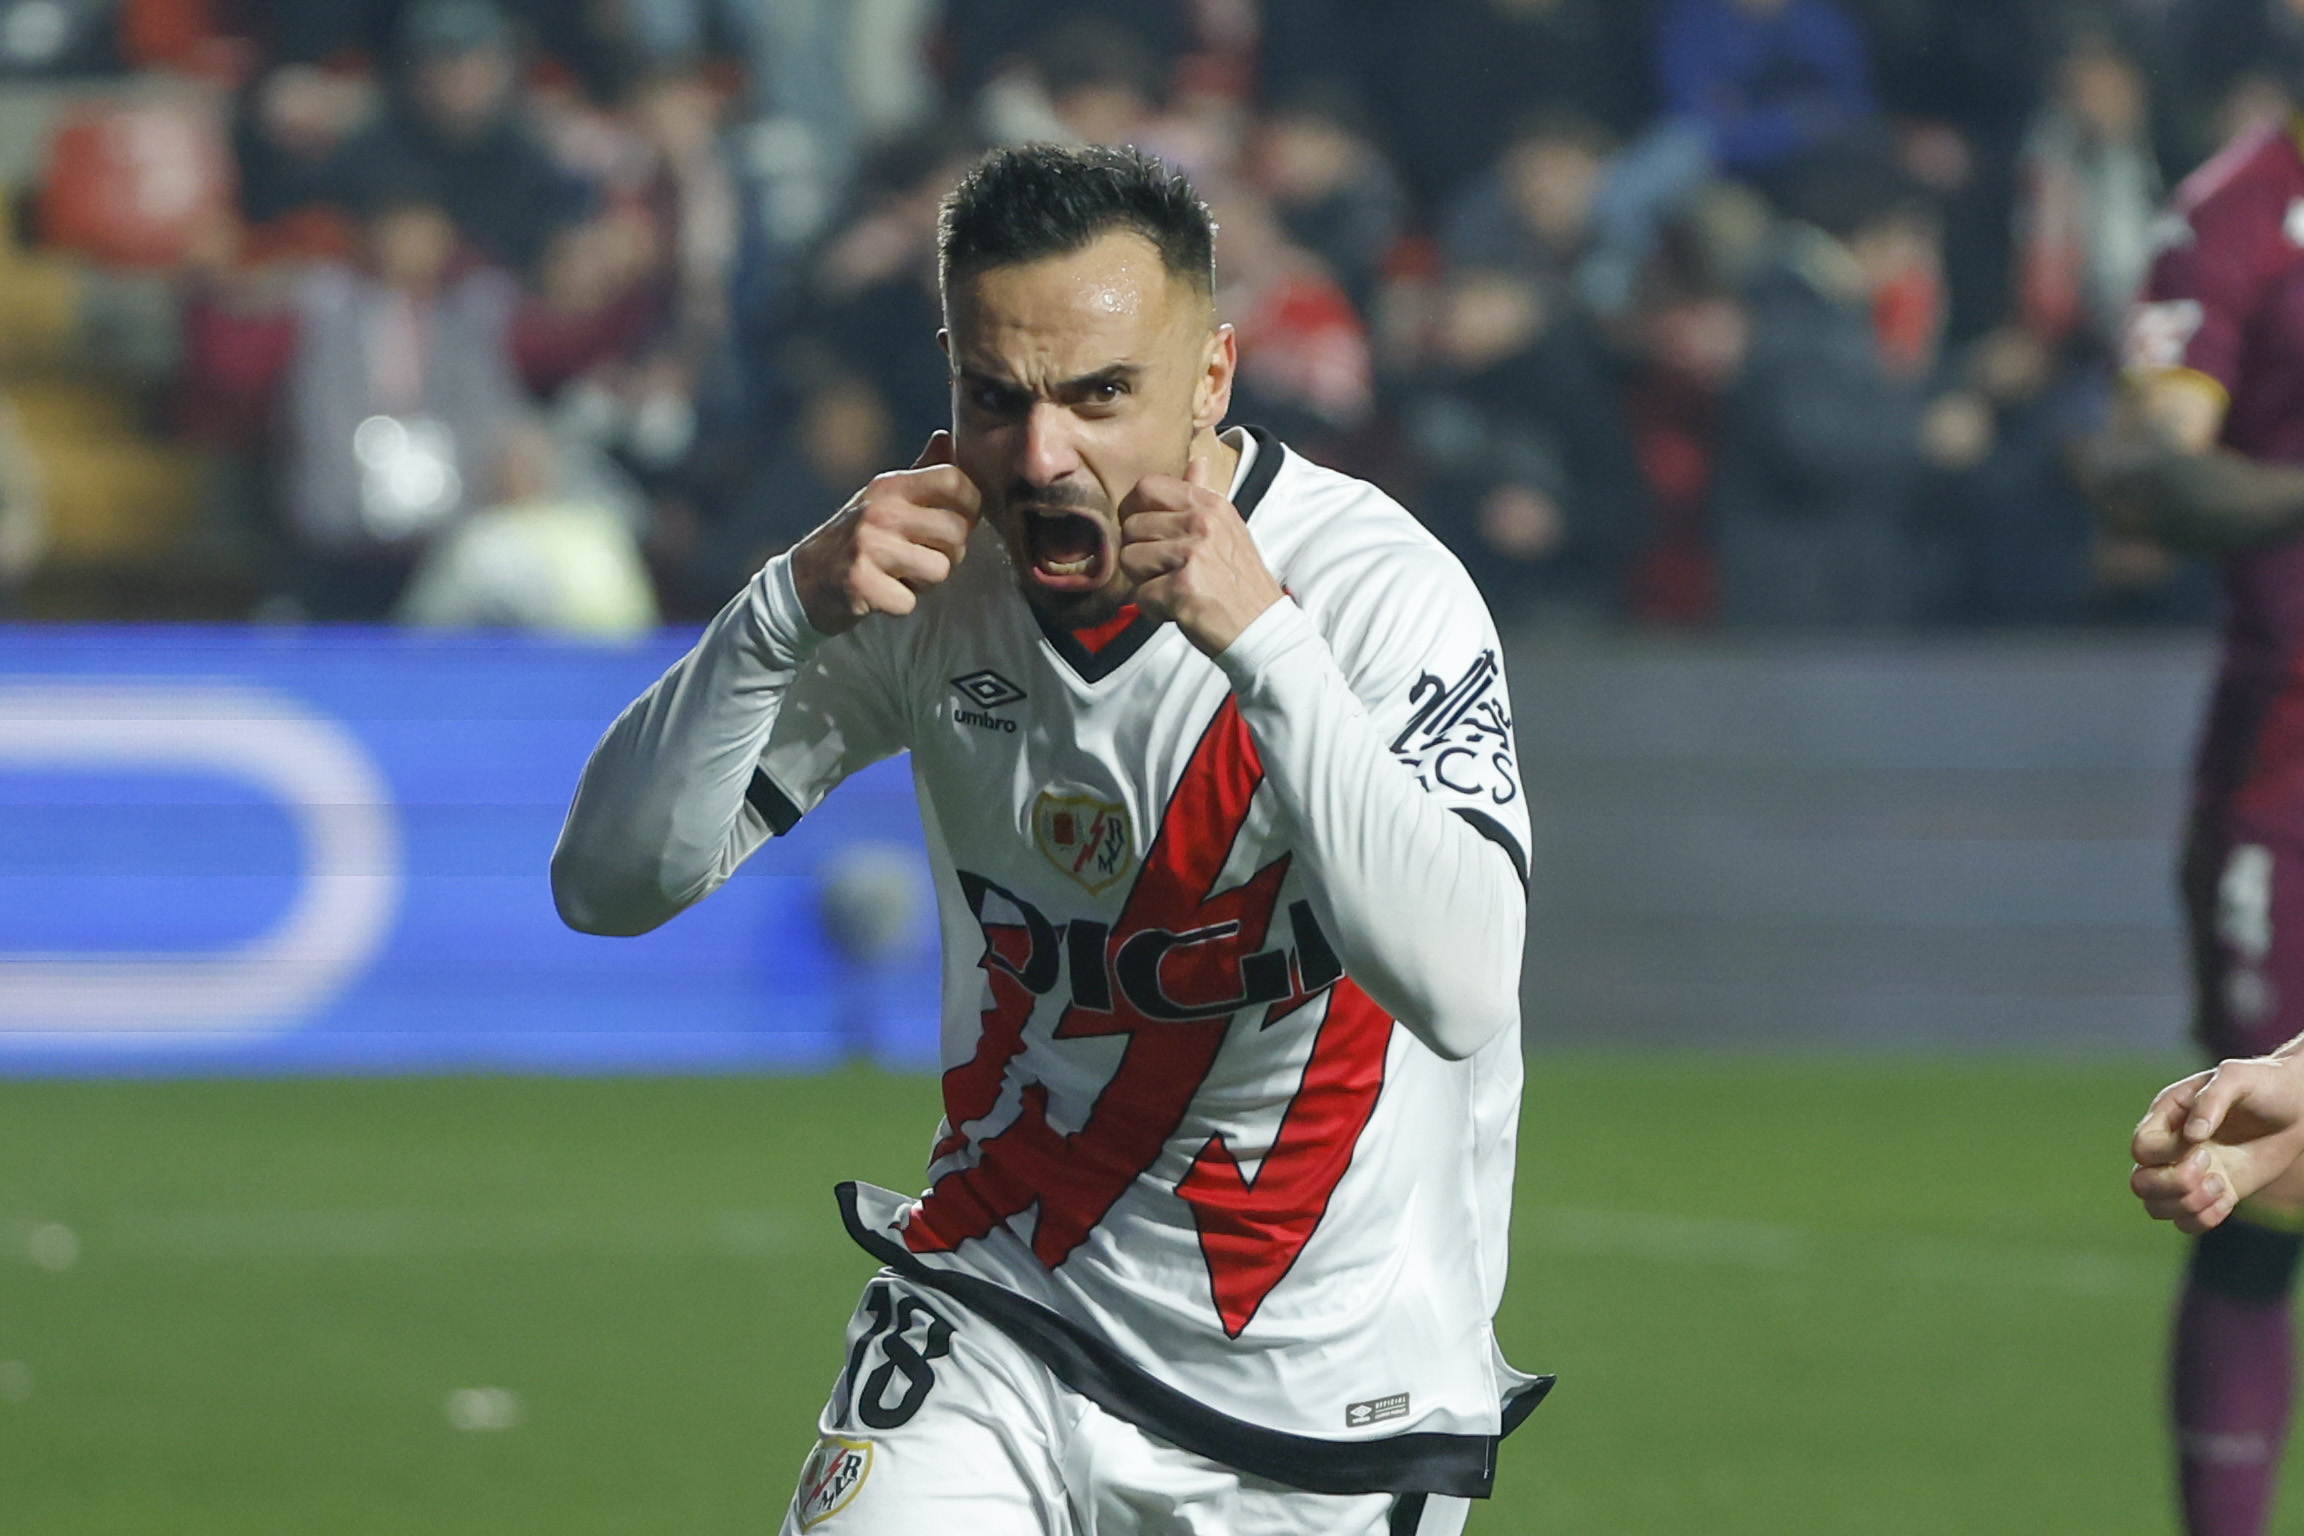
2244, 906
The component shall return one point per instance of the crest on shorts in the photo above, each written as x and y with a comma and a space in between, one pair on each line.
830, 1477
1085, 837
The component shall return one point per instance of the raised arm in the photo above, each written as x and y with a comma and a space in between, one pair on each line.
1418, 886
1427, 905
662, 817
2158, 472
674, 796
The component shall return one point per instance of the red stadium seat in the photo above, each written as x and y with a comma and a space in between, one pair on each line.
128, 183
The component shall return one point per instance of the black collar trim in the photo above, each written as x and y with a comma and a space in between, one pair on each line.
1095, 666
1269, 452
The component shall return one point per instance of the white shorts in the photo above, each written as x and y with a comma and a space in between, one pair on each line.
941, 1425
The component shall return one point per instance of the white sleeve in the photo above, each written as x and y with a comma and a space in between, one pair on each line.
730, 746
1405, 797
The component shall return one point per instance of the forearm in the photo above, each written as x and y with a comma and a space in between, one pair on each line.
660, 819
2212, 501
1426, 913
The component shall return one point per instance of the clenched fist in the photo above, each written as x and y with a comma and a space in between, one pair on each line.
2222, 1136
1188, 552
900, 535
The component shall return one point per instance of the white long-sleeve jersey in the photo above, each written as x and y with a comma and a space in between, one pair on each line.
1231, 968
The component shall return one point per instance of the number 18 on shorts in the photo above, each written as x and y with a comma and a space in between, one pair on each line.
940, 1425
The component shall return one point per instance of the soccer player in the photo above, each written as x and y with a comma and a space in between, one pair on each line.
1215, 757
2204, 456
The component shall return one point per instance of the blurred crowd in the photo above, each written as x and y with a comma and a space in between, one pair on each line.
568, 313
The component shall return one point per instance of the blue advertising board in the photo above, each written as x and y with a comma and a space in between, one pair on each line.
327, 850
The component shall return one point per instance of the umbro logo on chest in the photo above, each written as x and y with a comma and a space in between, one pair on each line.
987, 690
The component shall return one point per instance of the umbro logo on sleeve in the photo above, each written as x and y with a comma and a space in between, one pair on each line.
987, 690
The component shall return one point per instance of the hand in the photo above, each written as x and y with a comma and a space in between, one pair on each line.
1522, 524
900, 535
1189, 553
2217, 1137
1956, 431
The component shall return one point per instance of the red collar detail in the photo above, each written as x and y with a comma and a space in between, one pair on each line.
1094, 640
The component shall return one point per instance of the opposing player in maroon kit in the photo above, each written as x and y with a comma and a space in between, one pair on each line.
2203, 457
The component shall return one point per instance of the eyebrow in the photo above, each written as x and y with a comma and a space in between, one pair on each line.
1065, 389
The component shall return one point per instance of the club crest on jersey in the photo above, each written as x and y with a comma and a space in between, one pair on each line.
2158, 334
830, 1477
1085, 837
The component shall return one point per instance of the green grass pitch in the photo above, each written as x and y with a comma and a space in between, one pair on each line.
1784, 1296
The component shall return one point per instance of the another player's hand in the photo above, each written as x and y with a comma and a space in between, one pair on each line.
2217, 1137
1188, 551
900, 535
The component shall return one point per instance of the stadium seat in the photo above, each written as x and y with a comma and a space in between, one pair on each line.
111, 495
130, 183
122, 184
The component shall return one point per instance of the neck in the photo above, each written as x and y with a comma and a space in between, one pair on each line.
1223, 459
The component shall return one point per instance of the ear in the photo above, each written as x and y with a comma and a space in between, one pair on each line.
1212, 392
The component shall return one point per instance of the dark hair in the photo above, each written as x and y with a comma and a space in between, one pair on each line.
1323, 98
435, 29
1561, 125
1847, 186
1041, 200
398, 183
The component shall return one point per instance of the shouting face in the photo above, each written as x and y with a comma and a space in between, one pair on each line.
1074, 377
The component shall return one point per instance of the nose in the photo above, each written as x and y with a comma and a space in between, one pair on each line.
1049, 453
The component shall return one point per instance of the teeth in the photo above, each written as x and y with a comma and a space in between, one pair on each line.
1067, 567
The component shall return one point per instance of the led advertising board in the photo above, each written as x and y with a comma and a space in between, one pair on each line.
327, 849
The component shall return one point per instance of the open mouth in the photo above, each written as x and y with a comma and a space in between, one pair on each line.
1065, 550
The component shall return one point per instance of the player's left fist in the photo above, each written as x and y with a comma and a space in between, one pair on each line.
2220, 1137
1188, 552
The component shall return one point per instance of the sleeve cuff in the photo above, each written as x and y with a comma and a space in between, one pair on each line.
2197, 378
1276, 632
782, 624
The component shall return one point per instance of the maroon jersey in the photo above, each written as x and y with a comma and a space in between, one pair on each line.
2225, 302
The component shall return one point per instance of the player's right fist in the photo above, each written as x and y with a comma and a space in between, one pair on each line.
897, 537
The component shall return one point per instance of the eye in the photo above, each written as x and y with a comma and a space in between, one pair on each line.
993, 399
